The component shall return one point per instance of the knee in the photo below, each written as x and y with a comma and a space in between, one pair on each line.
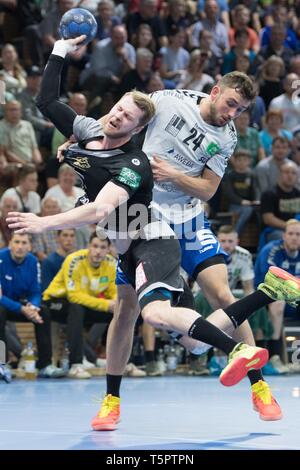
156, 313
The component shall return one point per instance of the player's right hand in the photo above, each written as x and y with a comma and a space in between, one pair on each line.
60, 150
62, 47
25, 222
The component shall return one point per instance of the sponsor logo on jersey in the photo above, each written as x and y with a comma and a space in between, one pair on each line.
212, 149
81, 162
140, 276
136, 161
175, 125
103, 279
129, 177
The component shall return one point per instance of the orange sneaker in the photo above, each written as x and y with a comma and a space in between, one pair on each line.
109, 415
241, 359
264, 402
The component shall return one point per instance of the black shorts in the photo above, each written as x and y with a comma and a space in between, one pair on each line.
152, 267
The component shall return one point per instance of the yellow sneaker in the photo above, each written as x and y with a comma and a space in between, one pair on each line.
281, 285
241, 359
264, 402
109, 415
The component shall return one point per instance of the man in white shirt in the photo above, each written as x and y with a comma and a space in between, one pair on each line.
289, 102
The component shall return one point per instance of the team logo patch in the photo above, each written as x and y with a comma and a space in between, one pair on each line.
175, 125
136, 162
81, 162
140, 276
129, 177
103, 279
212, 149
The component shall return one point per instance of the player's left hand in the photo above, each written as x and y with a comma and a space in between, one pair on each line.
163, 171
25, 222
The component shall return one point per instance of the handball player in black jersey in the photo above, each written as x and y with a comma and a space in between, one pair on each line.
117, 180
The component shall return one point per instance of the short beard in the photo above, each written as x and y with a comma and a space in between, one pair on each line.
213, 115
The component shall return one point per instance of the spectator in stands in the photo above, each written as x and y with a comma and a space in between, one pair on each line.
273, 129
239, 261
280, 16
25, 193
213, 63
21, 296
155, 83
11, 72
83, 292
239, 187
220, 43
177, 16
78, 102
281, 202
8, 204
248, 138
257, 113
27, 97
295, 65
241, 37
45, 243
253, 7
65, 245
223, 11
194, 78
144, 38
65, 191
267, 170
283, 253
17, 136
272, 73
240, 20
276, 46
8, 172
106, 19
40, 37
289, 102
138, 77
147, 14
110, 60
175, 58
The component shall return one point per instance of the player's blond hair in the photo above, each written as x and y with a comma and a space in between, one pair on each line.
144, 103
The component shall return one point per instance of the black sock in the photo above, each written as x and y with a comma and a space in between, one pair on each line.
243, 308
113, 383
254, 376
275, 347
204, 331
149, 356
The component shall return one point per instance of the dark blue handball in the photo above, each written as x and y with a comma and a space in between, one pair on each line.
78, 21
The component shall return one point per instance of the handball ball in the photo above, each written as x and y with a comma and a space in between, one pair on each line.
78, 21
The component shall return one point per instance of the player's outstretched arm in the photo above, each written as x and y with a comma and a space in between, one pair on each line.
110, 197
60, 114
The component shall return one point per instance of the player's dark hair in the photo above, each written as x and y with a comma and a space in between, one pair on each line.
241, 83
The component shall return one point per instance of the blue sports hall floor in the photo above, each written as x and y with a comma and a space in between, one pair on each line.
190, 413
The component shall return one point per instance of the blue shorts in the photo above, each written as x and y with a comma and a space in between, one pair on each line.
197, 242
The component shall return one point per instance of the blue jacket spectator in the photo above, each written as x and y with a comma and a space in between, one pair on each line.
20, 298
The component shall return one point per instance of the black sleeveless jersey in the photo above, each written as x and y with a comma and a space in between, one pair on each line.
127, 167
